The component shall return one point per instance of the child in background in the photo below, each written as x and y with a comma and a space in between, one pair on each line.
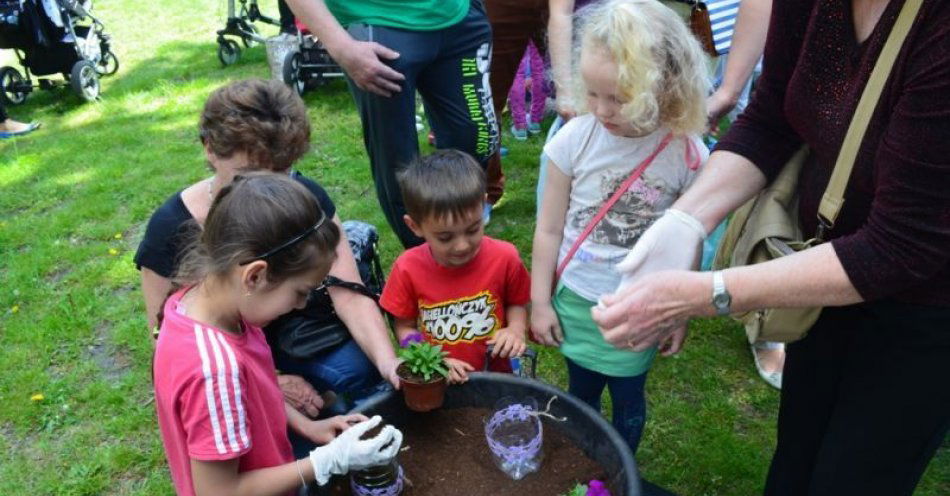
644, 79
459, 289
530, 72
265, 244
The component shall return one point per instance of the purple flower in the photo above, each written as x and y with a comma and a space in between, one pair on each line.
597, 488
415, 337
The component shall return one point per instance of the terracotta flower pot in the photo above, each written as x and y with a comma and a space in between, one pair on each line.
421, 396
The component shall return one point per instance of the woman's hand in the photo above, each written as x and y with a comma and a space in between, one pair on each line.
387, 370
324, 431
673, 242
545, 328
654, 310
720, 103
300, 394
458, 370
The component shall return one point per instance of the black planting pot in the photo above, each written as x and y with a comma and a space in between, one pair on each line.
586, 428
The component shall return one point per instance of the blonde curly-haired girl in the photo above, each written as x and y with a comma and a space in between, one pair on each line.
642, 83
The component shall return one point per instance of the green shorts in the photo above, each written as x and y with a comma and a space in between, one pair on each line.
585, 345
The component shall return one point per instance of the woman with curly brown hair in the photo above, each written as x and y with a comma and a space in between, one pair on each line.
257, 125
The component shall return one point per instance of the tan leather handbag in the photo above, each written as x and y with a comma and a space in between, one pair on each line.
767, 226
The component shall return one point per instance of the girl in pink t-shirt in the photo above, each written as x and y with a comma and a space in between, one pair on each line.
265, 244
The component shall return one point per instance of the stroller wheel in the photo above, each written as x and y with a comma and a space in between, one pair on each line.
228, 52
108, 65
85, 80
10, 81
291, 73
247, 40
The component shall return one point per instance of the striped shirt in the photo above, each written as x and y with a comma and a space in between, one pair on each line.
217, 397
722, 17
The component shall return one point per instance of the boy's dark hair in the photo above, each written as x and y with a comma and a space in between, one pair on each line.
445, 183
264, 119
253, 218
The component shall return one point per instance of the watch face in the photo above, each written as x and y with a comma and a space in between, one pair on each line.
722, 300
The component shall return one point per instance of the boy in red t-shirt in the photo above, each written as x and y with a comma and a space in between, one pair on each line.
460, 289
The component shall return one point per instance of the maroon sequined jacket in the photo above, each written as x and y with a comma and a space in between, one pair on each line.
893, 234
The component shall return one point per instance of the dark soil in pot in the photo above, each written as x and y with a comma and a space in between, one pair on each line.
445, 454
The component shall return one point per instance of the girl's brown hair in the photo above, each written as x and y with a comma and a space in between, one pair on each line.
264, 119
255, 215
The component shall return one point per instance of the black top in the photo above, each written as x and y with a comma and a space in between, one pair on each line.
893, 234
163, 244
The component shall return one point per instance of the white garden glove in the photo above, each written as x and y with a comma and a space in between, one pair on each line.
349, 452
673, 242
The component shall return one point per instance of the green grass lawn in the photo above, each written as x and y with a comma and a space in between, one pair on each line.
74, 198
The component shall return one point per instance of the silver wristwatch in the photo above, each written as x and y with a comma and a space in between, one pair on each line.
721, 299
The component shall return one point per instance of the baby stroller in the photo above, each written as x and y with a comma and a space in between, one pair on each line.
310, 65
53, 37
240, 24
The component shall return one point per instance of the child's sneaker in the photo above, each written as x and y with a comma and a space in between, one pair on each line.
534, 127
519, 134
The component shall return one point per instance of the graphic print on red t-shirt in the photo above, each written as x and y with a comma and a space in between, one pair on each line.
462, 320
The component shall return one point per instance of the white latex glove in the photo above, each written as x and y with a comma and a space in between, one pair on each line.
673, 242
349, 452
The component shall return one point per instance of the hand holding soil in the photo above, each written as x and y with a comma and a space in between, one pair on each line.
350, 452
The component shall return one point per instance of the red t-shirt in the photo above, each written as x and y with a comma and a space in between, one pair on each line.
217, 397
459, 308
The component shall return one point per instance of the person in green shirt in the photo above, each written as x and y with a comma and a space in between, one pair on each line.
390, 49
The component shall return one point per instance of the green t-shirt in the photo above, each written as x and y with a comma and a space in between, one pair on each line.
415, 15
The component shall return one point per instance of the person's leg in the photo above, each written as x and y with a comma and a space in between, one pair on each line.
586, 384
629, 407
286, 18
513, 22
455, 88
539, 92
893, 404
808, 395
516, 98
389, 130
864, 403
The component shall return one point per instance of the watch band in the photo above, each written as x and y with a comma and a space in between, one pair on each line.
721, 299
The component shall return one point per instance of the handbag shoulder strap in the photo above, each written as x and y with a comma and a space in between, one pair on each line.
833, 199
637, 172
352, 286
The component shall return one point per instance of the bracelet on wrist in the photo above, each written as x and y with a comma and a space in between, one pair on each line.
302, 480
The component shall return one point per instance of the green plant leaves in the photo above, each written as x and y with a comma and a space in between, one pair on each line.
425, 359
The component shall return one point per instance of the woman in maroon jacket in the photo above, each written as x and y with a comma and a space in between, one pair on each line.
865, 401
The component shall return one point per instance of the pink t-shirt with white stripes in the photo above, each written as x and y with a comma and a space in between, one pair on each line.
217, 397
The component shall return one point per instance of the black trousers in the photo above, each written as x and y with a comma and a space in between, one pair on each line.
865, 401
450, 69
3, 113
